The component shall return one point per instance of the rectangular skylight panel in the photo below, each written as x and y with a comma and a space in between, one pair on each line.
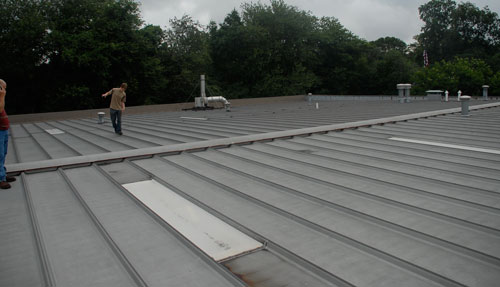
215, 237
54, 131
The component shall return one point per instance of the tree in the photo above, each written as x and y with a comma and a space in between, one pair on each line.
286, 49
344, 62
23, 32
457, 30
387, 44
436, 37
477, 29
264, 52
392, 68
393, 65
151, 72
70, 51
465, 74
94, 46
235, 50
495, 84
62, 54
187, 53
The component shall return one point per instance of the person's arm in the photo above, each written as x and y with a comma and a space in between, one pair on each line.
108, 93
123, 102
2, 99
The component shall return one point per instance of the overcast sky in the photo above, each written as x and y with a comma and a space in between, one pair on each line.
368, 19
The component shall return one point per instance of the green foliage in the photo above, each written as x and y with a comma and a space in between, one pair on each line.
264, 52
340, 57
186, 48
388, 44
494, 89
63, 54
457, 30
464, 74
23, 32
436, 36
395, 67
70, 97
86, 43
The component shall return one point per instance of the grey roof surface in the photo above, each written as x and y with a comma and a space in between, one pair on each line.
32, 142
352, 194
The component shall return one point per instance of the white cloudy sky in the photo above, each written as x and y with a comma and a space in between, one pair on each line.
369, 19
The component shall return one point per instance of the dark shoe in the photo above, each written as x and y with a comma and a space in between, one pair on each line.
120, 133
4, 185
10, 178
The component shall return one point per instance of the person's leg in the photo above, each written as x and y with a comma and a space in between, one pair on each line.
112, 114
5, 149
6, 145
4, 140
119, 122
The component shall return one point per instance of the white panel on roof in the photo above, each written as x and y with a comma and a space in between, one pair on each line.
54, 131
494, 151
215, 237
193, 118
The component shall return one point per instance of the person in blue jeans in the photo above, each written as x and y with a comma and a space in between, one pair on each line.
4, 138
117, 106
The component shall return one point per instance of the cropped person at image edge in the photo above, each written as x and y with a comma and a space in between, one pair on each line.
4, 138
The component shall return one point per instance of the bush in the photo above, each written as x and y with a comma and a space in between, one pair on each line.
465, 74
494, 89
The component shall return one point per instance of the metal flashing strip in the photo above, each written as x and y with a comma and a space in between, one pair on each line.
223, 142
446, 145
215, 237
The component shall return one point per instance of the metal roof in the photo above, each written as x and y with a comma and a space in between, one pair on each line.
54, 139
350, 194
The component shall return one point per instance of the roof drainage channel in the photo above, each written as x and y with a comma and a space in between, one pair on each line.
176, 148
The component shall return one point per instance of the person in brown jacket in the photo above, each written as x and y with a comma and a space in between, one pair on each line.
117, 106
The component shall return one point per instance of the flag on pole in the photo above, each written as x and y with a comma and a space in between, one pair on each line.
426, 59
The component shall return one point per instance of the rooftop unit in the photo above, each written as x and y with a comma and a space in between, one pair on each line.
203, 101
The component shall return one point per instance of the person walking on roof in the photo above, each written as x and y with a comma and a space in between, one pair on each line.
117, 106
4, 138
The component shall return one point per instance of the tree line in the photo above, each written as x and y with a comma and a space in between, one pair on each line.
62, 54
